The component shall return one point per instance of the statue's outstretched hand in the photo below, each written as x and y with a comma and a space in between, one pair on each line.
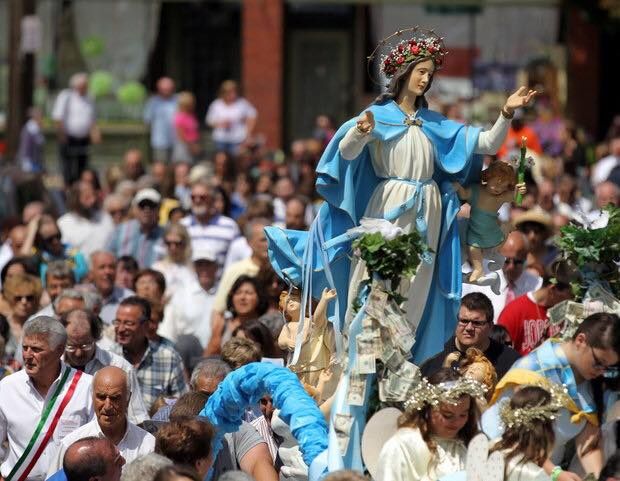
366, 122
520, 98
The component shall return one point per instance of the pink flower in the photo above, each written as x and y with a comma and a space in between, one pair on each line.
400, 60
415, 50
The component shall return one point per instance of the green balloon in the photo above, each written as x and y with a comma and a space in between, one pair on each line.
131, 93
101, 83
92, 46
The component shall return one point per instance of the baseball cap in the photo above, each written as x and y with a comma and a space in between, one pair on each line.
203, 255
147, 194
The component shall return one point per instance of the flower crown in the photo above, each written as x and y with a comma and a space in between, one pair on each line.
422, 44
531, 415
427, 394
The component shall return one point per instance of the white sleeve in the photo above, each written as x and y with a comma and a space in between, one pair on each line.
60, 106
352, 143
491, 140
212, 115
250, 111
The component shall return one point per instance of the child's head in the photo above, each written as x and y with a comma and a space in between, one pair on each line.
498, 177
186, 102
528, 420
445, 407
290, 304
476, 366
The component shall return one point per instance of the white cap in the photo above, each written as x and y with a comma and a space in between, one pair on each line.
147, 194
203, 255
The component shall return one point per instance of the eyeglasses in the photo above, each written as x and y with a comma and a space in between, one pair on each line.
83, 347
119, 323
52, 238
514, 260
199, 198
26, 297
598, 364
147, 204
474, 322
171, 243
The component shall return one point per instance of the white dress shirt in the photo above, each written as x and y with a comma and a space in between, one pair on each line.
137, 411
189, 312
136, 442
527, 282
75, 111
21, 407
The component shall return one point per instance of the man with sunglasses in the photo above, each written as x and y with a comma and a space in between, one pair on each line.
473, 327
526, 317
142, 237
514, 280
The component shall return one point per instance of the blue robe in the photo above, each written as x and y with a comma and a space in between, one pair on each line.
315, 259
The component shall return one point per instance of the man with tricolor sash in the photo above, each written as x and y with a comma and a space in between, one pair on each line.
41, 404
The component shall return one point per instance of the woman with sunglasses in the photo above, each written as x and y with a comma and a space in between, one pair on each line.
176, 266
23, 292
44, 243
577, 363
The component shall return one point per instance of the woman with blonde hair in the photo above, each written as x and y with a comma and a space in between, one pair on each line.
176, 266
187, 144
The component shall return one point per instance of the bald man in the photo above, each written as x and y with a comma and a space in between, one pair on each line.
110, 399
515, 281
92, 458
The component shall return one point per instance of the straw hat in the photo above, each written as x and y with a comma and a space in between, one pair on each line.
535, 215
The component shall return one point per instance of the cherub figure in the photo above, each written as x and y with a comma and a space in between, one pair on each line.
499, 185
316, 366
474, 364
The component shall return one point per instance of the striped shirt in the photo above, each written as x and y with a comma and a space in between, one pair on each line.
215, 236
129, 240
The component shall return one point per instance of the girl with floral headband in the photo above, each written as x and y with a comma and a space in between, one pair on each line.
528, 438
396, 161
441, 417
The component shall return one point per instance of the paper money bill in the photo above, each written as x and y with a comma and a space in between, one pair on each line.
393, 359
366, 363
395, 388
342, 426
375, 306
356, 394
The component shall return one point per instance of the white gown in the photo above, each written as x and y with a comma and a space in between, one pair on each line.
406, 457
408, 157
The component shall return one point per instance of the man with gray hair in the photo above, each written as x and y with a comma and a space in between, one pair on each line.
74, 117
70, 299
111, 394
84, 329
58, 277
145, 467
41, 404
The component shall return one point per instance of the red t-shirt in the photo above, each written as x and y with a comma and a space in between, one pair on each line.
526, 322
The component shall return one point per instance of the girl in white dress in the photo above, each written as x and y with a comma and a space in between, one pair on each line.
440, 419
529, 436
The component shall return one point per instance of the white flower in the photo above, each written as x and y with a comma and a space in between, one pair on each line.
370, 225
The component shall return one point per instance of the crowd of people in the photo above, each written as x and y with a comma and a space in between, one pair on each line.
121, 315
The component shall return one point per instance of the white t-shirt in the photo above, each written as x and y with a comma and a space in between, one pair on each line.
236, 114
75, 111
86, 235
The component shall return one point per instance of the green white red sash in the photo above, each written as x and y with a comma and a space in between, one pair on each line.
45, 429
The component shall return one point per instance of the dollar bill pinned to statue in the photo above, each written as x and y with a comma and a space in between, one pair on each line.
342, 426
569, 314
386, 336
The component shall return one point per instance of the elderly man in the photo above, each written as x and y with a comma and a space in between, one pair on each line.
142, 237
82, 352
41, 404
91, 458
111, 395
74, 117
475, 319
58, 277
102, 274
208, 230
159, 368
188, 310
70, 299
514, 280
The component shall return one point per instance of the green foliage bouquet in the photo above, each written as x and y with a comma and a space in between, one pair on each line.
595, 250
389, 253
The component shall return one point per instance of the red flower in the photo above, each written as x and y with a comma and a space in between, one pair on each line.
400, 60
415, 50
400, 48
431, 50
438, 61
